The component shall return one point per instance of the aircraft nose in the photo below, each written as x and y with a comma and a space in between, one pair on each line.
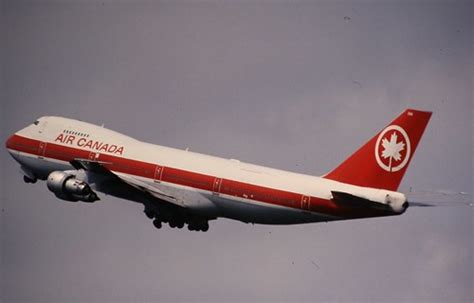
9, 142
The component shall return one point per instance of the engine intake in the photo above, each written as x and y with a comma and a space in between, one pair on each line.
66, 187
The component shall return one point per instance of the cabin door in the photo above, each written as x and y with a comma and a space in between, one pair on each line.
158, 174
41, 149
305, 202
93, 156
216, 186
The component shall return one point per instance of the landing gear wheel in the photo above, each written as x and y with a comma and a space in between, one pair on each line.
29, 180
191, 227
157, 223
176, 221
199, 226
205, 226
149, 214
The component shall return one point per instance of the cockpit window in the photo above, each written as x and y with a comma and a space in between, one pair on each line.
36, 122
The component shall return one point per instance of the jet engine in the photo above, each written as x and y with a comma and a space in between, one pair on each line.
66, 187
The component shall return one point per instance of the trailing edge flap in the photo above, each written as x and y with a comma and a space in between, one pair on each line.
150, 189
98, 167
351, 201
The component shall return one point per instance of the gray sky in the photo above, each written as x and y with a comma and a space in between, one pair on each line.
292, 85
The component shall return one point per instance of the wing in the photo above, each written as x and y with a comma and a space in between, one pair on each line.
99, 167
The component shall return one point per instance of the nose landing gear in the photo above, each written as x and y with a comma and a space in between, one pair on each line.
29, 180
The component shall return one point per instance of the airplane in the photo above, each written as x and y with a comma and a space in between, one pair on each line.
78, 160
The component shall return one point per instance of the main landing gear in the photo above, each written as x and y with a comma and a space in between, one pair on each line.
178, 221
157, 223
199, 226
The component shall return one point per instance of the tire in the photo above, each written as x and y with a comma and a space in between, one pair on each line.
28, 180
149, 214
157, 223
205, 226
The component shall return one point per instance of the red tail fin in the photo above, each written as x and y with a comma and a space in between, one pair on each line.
382, 162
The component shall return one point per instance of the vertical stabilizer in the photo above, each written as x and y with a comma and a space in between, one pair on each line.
383, 160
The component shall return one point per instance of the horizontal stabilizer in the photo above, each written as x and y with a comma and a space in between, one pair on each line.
351, 201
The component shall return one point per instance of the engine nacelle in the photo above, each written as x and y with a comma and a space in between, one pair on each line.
66, 187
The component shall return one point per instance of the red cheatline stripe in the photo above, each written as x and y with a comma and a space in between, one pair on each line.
190, 179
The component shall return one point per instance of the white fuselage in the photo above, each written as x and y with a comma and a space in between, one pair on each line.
207, 185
